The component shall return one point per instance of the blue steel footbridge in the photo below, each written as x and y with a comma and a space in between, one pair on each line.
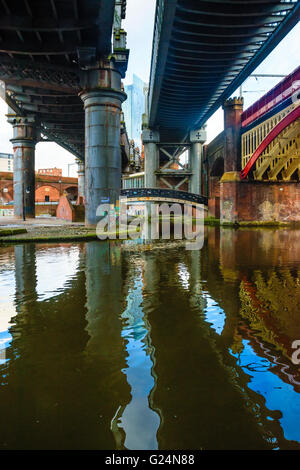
163, 195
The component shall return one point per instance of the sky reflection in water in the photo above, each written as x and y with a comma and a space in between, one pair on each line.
32, 277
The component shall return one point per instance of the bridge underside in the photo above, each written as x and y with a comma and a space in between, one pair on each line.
61, 65
43, 48
203, 51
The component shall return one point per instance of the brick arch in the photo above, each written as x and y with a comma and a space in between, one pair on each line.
47, 190
217, 167
72, 192
215, 174
6, 196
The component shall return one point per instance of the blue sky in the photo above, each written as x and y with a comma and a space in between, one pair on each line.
139, 26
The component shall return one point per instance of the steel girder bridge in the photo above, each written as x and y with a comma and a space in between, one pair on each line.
59, 61
52, 50
163, 195
45, 47
202, 52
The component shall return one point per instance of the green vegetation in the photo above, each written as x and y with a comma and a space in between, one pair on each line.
260, 224
6, 232
64, 236
269, 223
211, 221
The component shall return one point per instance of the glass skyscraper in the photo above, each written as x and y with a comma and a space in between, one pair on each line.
134, 108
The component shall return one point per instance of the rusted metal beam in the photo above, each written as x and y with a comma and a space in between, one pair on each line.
70, 103
29, 11
50, 110
38, 92
4, 3
54, 9
38, 75
31, 47
29, 24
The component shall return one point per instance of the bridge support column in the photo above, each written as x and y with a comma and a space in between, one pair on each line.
25, 276
197, 139
102, 97
230, 181
150, 141
233, 109
81, 181
24, 141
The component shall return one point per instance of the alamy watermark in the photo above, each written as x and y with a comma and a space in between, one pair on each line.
163, 221
296, 353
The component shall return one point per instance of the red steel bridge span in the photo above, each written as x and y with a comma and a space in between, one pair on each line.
62, 62
251, 171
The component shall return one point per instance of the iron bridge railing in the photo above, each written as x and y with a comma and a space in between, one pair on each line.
164, 193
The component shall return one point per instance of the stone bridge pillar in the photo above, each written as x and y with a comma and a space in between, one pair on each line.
102, 98
81, 181
233, 109
25, 279
150, 140
197, 139
24, 141
230, 181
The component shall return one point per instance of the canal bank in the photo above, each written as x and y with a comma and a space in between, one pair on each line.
46, 230
55, 230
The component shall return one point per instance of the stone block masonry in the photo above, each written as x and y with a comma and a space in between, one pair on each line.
256, 201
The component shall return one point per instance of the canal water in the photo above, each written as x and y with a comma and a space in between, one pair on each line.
106, 345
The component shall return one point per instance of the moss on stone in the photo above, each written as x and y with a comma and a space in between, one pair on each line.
211, 221
260, 224
266, 223
6, 232
56, 237
230, 224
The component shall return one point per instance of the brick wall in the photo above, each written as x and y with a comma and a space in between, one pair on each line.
214, 199
46, 209
67, 211
214, 207
39, 209
259, 201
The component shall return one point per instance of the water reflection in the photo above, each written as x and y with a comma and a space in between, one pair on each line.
105, 353
105, 346
139, 422
268, 321
55, 267
7, 308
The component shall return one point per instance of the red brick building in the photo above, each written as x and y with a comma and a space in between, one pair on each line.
50, 172
48, 188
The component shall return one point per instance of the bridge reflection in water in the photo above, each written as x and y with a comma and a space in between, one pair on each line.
152, 347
